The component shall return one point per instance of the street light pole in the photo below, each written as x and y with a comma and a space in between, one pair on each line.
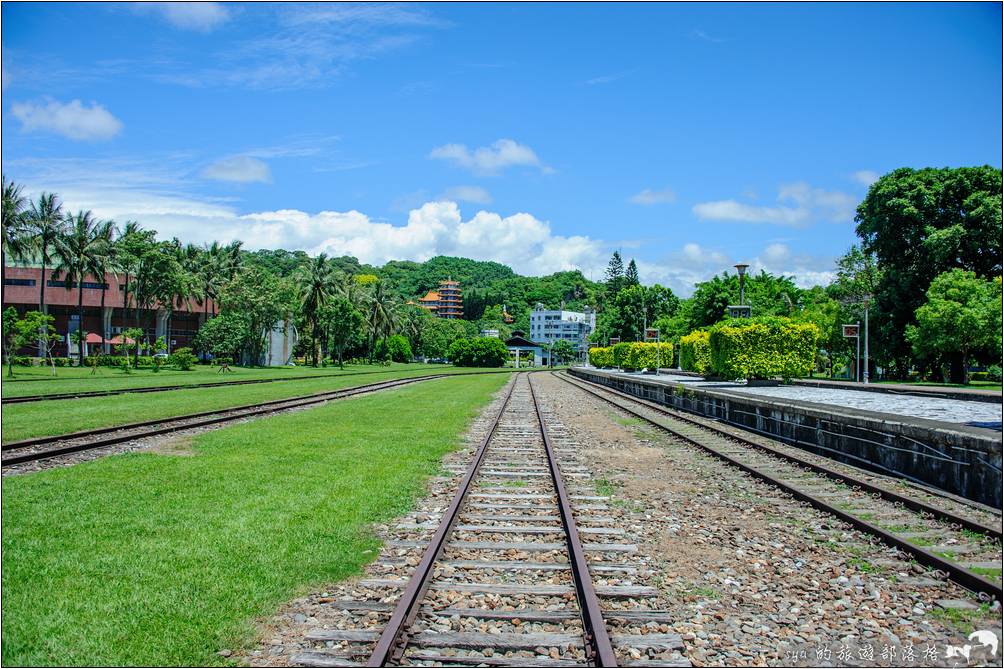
741, 268
866, 375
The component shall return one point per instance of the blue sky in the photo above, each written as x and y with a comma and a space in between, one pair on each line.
543, 136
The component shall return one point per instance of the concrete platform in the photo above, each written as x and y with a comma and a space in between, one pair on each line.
949, 444
975, 409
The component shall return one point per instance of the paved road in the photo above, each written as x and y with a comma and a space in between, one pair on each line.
976, 414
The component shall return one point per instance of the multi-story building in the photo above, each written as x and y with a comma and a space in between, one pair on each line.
550, 325
178, 325
447, 302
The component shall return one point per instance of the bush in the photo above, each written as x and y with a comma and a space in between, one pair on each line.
695, 352
647, 355
479, 352
62, 362
183, 358
762, 348
22, 360
621, 353
396, 347
994, 373
601, 356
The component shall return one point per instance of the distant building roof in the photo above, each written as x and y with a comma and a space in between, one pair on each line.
431, 296
520, 341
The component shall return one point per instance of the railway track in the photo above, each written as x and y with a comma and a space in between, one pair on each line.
964, 547
523, 568
159, 389
41, 448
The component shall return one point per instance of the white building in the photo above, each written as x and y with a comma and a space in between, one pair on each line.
551, 325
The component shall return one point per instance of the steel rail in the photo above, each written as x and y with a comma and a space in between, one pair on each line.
390, 645
232, 414
24, 399
964, 577
597, 642
889, 495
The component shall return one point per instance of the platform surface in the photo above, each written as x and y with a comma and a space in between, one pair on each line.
961, 412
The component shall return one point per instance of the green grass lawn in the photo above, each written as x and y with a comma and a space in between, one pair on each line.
39, 380
148, 559
46, 418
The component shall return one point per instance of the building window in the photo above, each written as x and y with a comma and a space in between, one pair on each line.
19, 282
94, 285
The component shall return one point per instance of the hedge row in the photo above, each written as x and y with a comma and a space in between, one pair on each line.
632, 355
30, 361
695, 352
763, 348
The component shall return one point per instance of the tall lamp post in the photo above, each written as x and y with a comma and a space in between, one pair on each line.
866, 300
741, 268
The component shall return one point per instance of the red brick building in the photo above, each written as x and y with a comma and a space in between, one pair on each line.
178, 326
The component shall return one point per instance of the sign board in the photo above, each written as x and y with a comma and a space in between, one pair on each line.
614, 340
651, 333
740, 311
851, 330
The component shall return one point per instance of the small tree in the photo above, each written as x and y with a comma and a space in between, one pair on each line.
33, 327
127, 347
79, 337
223, 336
159, 346
344, 325
962, 315
563, 350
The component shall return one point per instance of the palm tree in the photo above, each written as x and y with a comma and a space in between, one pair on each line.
125, 261
106, 263
15, 239
382, 315
46, 224
78, 254
315, 284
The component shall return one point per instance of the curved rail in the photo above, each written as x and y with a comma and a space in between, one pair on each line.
964, 577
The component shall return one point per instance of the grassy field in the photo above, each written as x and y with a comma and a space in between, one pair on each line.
39, 380
45, 418
149, 559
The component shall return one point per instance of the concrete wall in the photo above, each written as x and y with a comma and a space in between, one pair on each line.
962, 460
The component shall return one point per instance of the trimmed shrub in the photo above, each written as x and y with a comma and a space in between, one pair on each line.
695, 352
621, 352
22, 360
479, 352
62, 362
763, 348
183, 358
396, 348
647, 355
601, 356
994, 373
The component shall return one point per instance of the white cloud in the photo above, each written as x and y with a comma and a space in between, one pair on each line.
475, 194
490, 159
865, 177
649, 196
199, 16
69, 119
798, 204
700, 34
606, 79
239, 169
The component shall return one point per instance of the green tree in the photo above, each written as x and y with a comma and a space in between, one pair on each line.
962, 315
395, 347
478, 352
563, 351
79, 253
314, 283
614, 276
382, 318
15, 239
343, 323
920, 223
631, 274
262, 300
19, 332
223, 336
46, 226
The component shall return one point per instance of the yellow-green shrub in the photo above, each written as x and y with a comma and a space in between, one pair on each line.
695, 352
621, 353
646, 355
762, 348
601, 356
